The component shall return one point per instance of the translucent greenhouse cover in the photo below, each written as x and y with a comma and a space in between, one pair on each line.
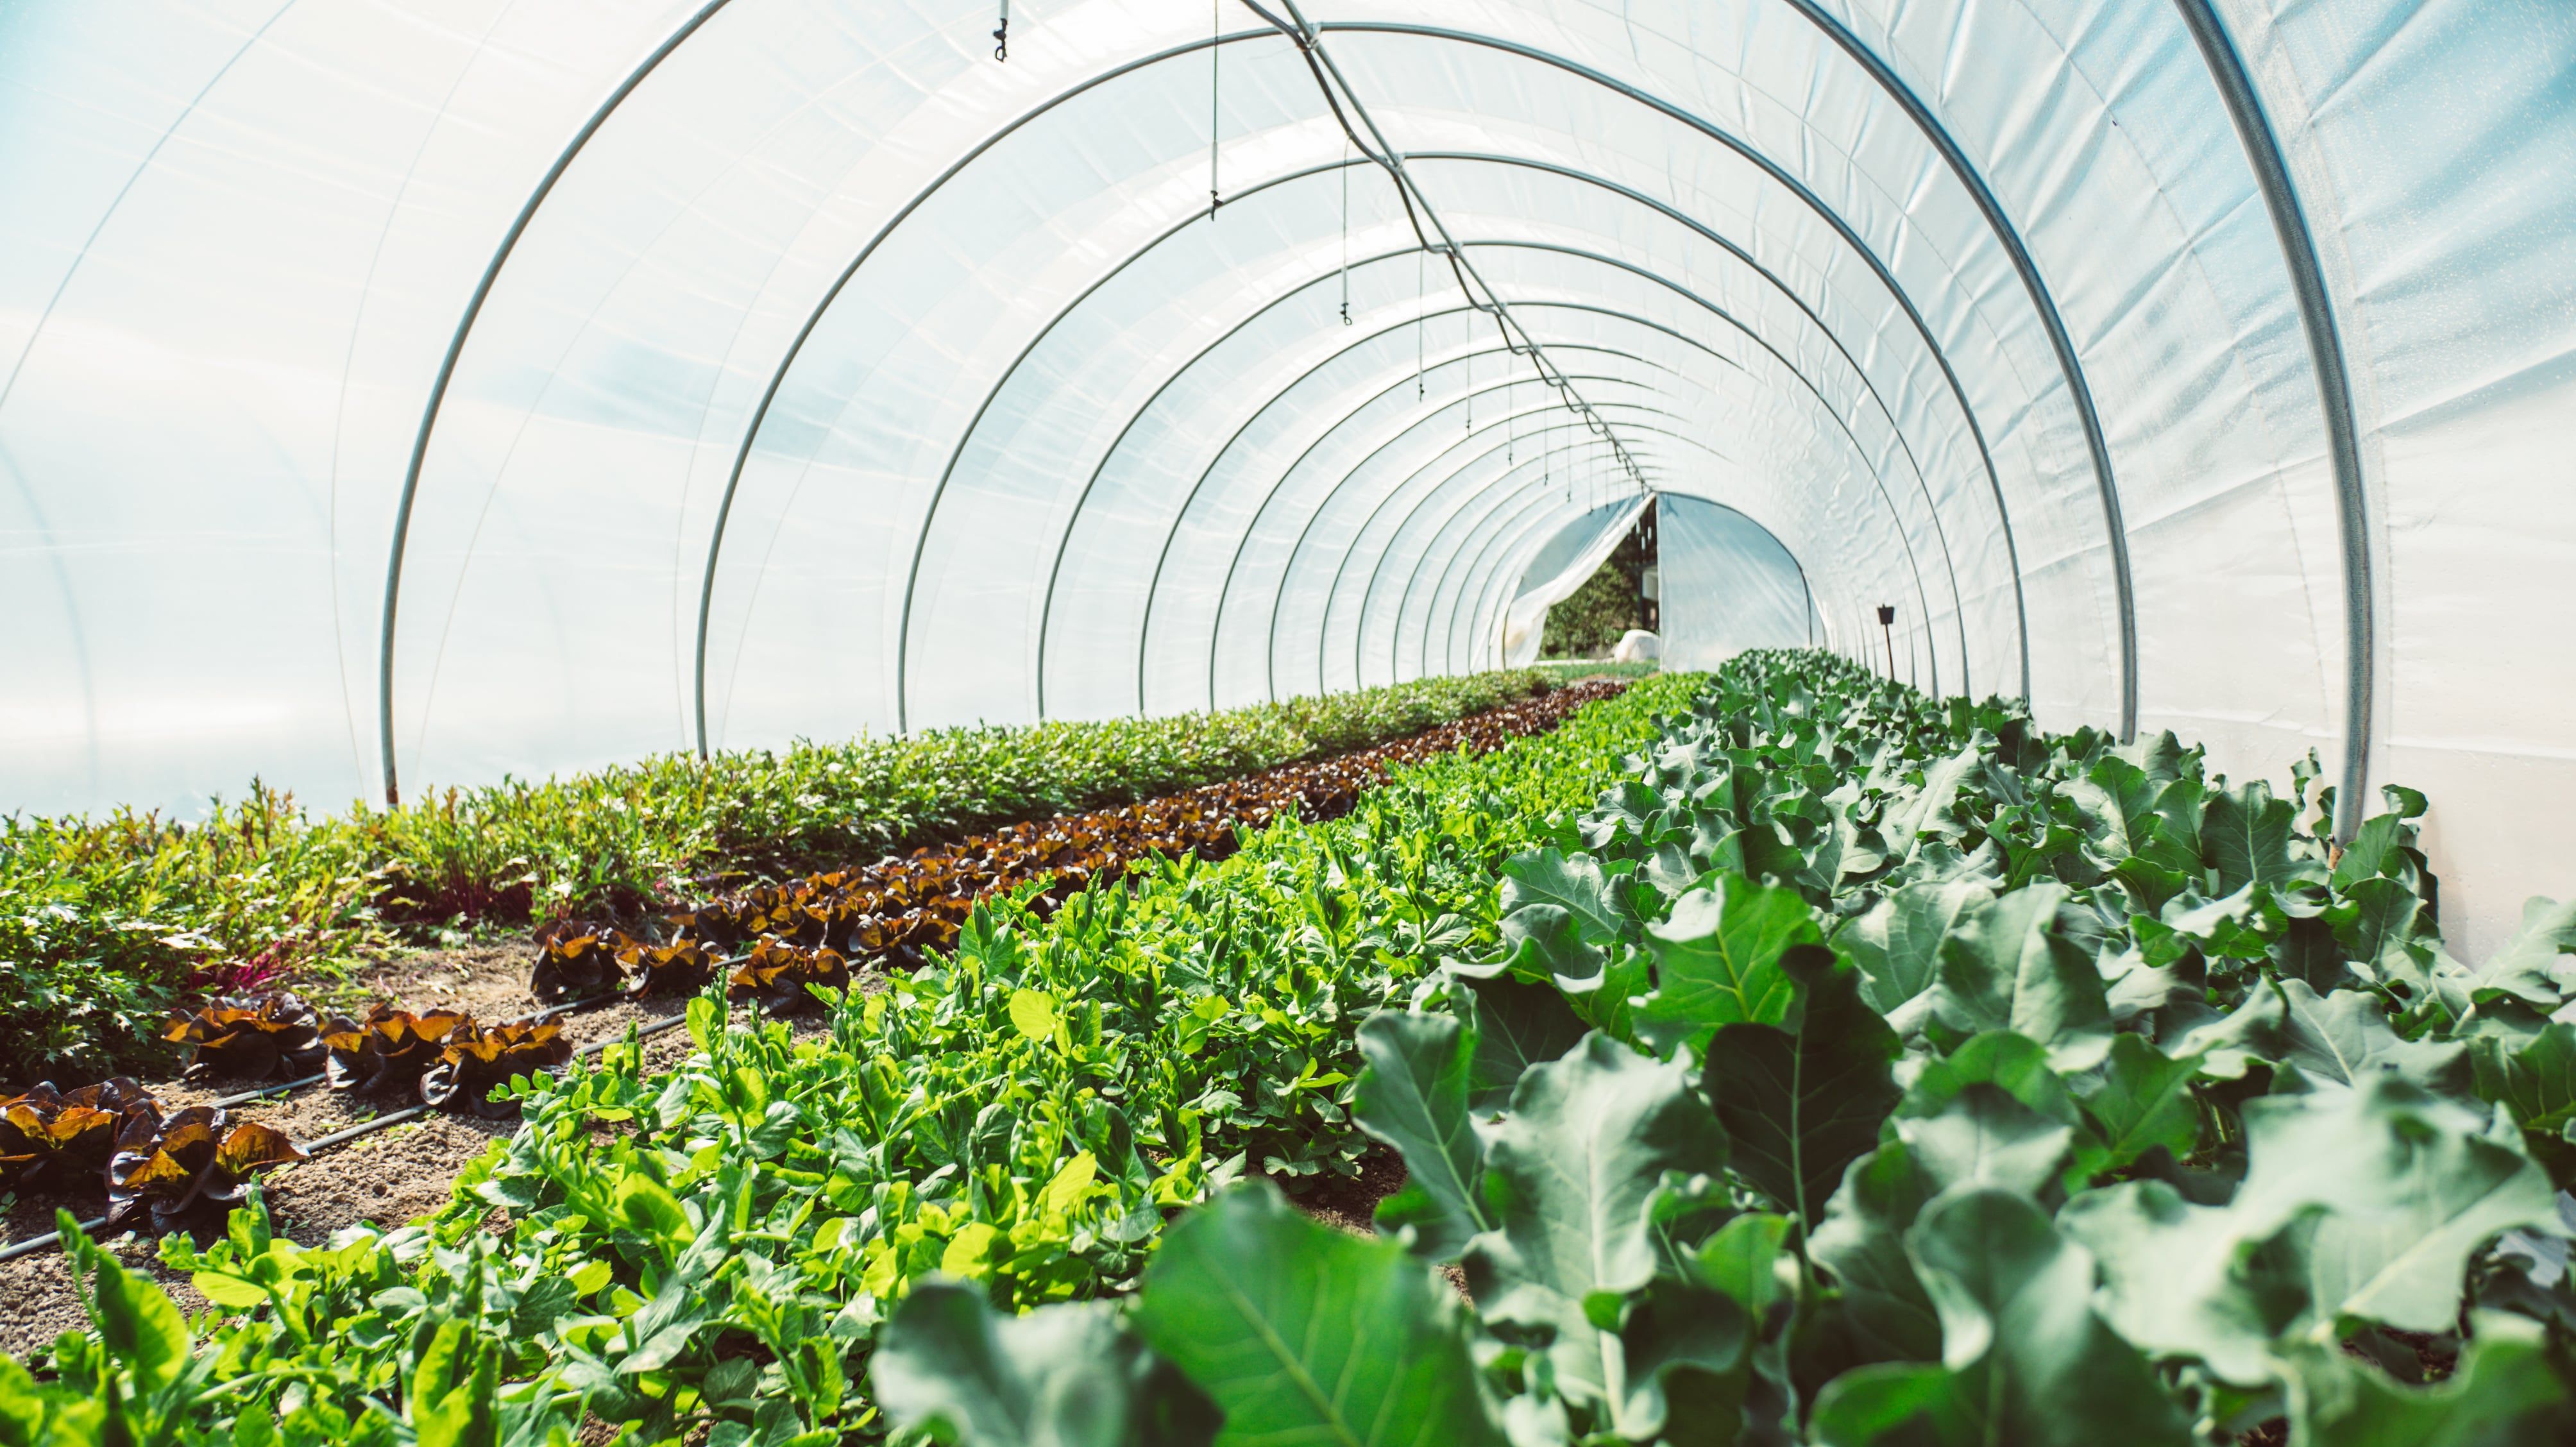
399, 394
1728, 585
1561, 565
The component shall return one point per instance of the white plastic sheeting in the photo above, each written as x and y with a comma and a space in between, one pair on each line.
1564, 563
1728, 586
516, 385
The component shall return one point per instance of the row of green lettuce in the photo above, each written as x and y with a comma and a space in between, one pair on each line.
1868, 1071
708, 1252
106, 922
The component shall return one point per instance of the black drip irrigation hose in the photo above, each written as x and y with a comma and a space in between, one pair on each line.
538, 1017
35, 1244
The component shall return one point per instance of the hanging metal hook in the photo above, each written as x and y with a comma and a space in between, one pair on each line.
1002, 34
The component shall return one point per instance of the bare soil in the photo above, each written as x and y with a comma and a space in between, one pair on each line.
1349, 1203
385, 1180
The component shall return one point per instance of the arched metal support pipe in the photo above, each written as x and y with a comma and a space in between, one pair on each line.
1333, 590
1377, 27
1528, 517
1459, 601
1958, 395
1932, 509
1665, 209
1226, 588
2042, 300
1154, 581
930, 513
814, 318
1833, 219
2045, 304
2334, 392
752, 431
1055, 568
1922, 597
1806, 588
447, 374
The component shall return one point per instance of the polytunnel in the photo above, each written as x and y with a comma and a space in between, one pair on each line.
403, 395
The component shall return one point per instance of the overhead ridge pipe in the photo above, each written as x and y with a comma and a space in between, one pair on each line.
1311, 43
1922, 598
1798, 190
1333, 590
1225, 592
1153, 584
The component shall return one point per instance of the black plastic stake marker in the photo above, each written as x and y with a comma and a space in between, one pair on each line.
1887, 626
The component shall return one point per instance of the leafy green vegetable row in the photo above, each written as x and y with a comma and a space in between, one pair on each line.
106, 922
713, 1248
1867, 1072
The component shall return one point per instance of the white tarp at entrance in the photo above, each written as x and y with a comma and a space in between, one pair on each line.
1596, 537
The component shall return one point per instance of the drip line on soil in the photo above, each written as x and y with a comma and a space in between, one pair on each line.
34, 1244
538, 1017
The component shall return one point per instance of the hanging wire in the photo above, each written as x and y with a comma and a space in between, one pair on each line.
1327, 78
1346, 231
1002, 34
1419, 320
